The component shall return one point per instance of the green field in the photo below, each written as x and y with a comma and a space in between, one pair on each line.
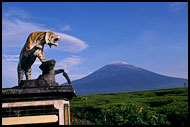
156, 107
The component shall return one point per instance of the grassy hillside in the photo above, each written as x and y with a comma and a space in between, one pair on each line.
156, 107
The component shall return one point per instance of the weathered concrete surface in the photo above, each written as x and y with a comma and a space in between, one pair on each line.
37, 93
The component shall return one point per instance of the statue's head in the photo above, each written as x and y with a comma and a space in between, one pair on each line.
47, 66
51, 38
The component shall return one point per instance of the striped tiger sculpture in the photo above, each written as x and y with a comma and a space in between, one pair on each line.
34, 48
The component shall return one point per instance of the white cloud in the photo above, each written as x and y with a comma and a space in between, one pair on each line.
10, 58
177, 6
17, 26
69, 62
15, 33
69, 43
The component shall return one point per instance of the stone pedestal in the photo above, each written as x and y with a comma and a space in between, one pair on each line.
37, 105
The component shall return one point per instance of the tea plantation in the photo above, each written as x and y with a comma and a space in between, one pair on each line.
156, 107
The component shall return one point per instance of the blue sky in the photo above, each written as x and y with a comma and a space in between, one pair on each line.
153, 36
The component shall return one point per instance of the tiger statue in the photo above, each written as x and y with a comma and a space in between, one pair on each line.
34, 48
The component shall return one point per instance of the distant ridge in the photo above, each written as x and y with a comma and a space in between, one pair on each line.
123, 77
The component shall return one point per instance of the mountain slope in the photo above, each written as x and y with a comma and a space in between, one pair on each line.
123, 77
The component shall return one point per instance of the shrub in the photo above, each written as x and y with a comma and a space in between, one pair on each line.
130, 114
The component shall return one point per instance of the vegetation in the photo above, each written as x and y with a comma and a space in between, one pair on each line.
156, 107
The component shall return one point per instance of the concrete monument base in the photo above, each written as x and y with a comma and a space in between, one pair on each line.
37, 105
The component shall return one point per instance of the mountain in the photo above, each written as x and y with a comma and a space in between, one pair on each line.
122, 77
